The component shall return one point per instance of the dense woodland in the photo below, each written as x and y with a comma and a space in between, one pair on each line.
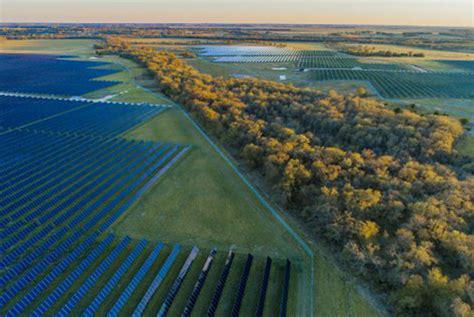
362, 50
381, 185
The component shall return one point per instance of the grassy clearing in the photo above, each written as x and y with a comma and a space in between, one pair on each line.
201, 201
128, 90
260, 70
257, 70
462, 108
466, 146
429, 54
428, 62
66, 47
307, 46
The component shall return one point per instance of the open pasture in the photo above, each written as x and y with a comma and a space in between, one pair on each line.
55, 47
406, 84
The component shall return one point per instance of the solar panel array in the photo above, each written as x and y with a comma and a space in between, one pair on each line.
66, 175
258, 59
467, 65
60, 192
239, 50
311, 62
391, 80
407, 84
47, 74
263, 54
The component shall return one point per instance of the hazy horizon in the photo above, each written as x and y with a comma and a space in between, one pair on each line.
338, 12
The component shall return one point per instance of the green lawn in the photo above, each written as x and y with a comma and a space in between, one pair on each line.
257, 70
201, 201
127, 90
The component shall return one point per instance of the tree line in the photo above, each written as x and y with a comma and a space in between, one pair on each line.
362, 50
382, 186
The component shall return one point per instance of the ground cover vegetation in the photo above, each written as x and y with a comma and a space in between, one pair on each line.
382, 185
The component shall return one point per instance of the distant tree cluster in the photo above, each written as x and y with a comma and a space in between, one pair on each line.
379, 185
363, 50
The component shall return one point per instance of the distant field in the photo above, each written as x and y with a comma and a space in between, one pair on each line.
428, 62
76, 47
306, 46
264, 70
462, 108
429, 54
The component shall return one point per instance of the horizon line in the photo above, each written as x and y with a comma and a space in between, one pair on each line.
243, 23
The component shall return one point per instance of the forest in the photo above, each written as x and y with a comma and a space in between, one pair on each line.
362, 50
382, 185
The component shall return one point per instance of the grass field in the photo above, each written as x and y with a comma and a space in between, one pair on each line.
428, 62
202, 201
61, 47
466, 146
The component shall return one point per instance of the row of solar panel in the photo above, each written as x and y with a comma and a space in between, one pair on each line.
101, 192
57, 180
19, 267
73, 117
42, 163
75, 172
90, 120
104, 250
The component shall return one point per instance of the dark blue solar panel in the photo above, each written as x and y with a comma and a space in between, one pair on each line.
49, 74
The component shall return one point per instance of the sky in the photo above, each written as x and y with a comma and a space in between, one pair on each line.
381, 12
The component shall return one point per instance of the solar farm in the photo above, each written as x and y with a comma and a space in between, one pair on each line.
389, 80
19, 73
345, 63
406, 84
261, 54
67, 175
